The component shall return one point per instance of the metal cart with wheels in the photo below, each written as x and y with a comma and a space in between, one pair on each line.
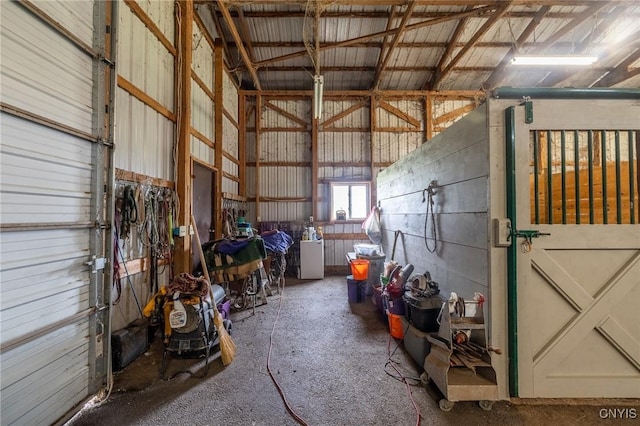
459, 362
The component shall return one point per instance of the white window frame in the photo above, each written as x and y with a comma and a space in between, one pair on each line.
349, 208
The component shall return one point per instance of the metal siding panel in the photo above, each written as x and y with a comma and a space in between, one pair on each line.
143, 60
230, 96
285, 146
251, 181
282, 211
202, 151
230, 137
202, 111
251, 147
285, 182
144, 138
229, 167
42, 72
202, 60
122, 138
229, 185
343, 147
76, 16
161, 13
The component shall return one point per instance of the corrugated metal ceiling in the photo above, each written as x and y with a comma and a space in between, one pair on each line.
443, 45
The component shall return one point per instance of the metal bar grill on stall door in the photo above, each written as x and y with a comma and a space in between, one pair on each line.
583, 177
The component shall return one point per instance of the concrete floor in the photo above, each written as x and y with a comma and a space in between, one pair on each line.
329, 357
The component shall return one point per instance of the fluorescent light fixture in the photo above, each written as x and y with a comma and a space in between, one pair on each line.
554, 60
318, 82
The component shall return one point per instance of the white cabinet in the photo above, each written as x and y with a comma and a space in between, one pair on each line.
311, 260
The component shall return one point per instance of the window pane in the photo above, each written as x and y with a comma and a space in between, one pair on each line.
359, 202
340, 198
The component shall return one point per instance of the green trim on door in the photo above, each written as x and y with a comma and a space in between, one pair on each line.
512, 265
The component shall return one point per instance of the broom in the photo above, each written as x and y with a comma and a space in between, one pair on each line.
227, 347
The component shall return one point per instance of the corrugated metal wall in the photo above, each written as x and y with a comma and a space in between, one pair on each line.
145, 136
145, 128
202, 104
52, 96
345, 152
230, 136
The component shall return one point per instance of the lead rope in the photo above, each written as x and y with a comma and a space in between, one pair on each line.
429, 199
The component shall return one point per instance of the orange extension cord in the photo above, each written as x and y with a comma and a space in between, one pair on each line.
280, 391
402, 378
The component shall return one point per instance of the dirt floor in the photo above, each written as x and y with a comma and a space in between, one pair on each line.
331, 360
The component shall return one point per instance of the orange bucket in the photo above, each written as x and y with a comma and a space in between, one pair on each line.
395, 325
359, 269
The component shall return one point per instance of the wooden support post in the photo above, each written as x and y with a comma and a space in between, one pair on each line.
242, 145
258, 121
428, 117
218, 114
372, 136
183, 179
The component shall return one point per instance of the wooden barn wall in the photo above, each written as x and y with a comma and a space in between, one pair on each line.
352, 144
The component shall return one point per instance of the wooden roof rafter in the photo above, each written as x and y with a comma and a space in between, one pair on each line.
471, 43
394, 43
478, 11
499, 72
353, 108
447, 52
621, 72
287, 114
246, 34
222, 4
415, 123
225, 45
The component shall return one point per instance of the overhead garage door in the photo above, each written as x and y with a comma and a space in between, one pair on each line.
578, 286
54, 225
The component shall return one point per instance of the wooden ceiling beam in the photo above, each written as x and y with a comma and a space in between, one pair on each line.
225, 44
413, 45
384, 15
474, 39
396, 38
383, 94
474, 12
341, 115
498, 74
621, 72
385, 42
371, 69
222, 4
285, 113
246, 34
445, 56
428, 2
